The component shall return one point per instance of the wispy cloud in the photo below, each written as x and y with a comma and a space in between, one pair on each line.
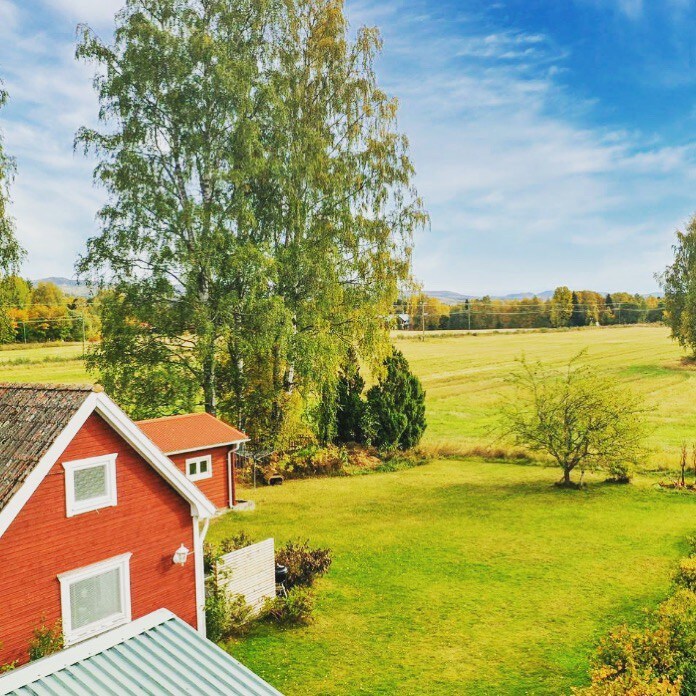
518, 186
54, 202
93, 12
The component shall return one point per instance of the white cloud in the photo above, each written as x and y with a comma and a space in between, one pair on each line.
93, 12
521, 192
9, 16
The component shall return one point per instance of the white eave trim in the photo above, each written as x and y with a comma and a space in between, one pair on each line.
203, 448
125, 427
201, 507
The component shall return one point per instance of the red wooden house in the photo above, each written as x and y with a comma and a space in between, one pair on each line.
96, 523
203, 448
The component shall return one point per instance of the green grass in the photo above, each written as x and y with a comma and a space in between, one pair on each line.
464, 379
462, 577
465, 577
60, 362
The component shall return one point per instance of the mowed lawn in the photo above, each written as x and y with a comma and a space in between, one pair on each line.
462, 577
464, 377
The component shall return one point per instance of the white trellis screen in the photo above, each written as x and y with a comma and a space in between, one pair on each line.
250, 572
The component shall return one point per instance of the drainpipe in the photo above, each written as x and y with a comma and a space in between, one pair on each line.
230, 474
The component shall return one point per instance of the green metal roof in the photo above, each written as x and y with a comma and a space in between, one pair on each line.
156, 655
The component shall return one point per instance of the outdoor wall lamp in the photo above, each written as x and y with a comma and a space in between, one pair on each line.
182, 553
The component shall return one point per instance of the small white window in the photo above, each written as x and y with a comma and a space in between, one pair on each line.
90, 484
95, 599
198, 468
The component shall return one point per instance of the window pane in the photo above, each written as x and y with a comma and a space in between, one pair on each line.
90, 483
95, 598
192, 469
204, 466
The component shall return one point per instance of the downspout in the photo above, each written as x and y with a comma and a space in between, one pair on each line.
230, 476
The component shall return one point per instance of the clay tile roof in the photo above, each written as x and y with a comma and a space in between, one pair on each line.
190, 432
32, 416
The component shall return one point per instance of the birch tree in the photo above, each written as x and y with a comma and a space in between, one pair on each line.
260, 210
11, 253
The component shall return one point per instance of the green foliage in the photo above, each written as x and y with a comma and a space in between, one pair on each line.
395, 413
561, 307
659, 654
293, 609
226, 615
686, 574
679, 284
273, 227
311, 461
11, 253
304, 563
619, 471
658, 657
46, 641
576, 416
350, 406
213, 552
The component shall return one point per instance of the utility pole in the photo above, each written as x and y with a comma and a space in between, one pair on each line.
468, 313
423, 320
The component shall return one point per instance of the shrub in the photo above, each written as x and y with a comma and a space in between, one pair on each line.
686, 574
237, 541
294, 609
304, 564
310, 461
395, 411
213, 552
655, 659
46, 641
225, 615
619, 472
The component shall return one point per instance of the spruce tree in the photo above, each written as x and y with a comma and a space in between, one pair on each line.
396, 406
350, 411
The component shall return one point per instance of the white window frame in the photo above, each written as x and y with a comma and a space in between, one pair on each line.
76, 507
198, 476
122, 563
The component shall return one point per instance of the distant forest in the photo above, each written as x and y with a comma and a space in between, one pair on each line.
41, 312
566, 308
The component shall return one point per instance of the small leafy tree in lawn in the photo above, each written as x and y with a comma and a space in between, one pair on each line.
350, 406
395, 413
578, 417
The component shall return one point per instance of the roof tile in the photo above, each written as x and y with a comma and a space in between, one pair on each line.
190, 432
32, 416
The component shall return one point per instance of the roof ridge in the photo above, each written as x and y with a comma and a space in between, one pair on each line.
41, 386
179, 415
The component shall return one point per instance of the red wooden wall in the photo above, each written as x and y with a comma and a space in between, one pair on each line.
151, 520
216, 488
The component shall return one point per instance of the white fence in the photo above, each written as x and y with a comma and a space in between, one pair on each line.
250, 572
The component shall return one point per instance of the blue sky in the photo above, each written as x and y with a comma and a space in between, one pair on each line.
554, 140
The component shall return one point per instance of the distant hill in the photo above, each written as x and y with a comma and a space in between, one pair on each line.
67, 285
452, 298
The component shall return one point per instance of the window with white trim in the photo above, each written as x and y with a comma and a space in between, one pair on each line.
95, 599
198, 468
90, 484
